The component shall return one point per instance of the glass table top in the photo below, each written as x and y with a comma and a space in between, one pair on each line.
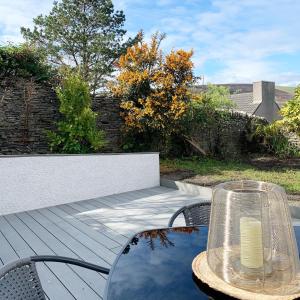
156, 264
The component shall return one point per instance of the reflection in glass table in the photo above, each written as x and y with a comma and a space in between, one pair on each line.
156, 264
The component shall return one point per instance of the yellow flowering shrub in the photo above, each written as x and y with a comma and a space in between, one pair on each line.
153, 87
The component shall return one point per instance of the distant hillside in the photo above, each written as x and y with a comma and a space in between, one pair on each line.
288, 89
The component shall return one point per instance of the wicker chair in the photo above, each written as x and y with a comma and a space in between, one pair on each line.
19, 280
194, 214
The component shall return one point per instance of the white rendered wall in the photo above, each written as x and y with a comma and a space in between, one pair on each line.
31, 182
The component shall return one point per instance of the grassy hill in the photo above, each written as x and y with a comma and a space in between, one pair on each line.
288, 89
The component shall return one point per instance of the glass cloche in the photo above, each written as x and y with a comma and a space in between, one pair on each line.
251, 242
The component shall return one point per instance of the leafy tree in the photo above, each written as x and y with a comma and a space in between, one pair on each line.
24, 61
291, 113
85, 34
77, 132
203, 106
217, 97
153, 87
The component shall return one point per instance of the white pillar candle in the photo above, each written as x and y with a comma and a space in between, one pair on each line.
251, 242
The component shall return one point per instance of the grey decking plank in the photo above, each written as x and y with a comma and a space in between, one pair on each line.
97, 203
78, 288
94, 280
80, 210
131, 200
53, 286
8, 254
83, 205
125, 211
97, 227
123, 219
92, 229
96, 236
171, 200
20, 246
135, 202
94, 223
117, 249
79, 248
97, 248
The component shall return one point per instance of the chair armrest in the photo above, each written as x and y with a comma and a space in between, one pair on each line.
176, 214
71, 261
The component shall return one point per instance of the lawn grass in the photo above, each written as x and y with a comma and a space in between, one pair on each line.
216, 171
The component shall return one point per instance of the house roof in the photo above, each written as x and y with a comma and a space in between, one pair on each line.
244, 102
241, 92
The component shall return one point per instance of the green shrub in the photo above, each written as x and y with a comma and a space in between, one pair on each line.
202, 112
23, 61
216, 97
291, 113
275, 142
77, 132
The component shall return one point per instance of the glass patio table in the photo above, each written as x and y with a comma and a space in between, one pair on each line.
156, 264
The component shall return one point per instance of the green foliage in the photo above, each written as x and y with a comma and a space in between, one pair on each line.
274, 136
85, 34
203, 112
77, 132
204, 109
291, 113
152, 140
275, 142
217, 97
23, 61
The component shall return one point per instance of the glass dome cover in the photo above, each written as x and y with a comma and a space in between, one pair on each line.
251, 242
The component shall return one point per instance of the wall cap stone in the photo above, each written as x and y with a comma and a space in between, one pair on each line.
89, 154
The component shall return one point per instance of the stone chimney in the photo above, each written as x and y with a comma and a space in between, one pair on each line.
264, 91
264, 94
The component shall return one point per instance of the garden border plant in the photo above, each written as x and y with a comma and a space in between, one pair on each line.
153, 89
77, 131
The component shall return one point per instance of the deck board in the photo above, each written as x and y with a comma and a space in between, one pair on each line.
74, 283
94, 230
59, 248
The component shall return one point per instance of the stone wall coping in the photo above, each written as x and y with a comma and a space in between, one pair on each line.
89, 154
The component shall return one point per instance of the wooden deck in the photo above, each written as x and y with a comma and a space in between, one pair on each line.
93, 230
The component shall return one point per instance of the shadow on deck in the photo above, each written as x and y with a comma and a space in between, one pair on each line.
93, 230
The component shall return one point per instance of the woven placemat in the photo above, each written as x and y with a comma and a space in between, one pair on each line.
203, 272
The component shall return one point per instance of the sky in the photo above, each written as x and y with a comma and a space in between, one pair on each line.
234, 41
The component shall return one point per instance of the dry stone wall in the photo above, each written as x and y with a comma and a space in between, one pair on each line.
228, 137
28, 109
108, 109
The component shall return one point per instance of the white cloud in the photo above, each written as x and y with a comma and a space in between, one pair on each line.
243, 36
17, 13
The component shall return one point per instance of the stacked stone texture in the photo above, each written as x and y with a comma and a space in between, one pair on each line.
229, 137
28, 109
109, 120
